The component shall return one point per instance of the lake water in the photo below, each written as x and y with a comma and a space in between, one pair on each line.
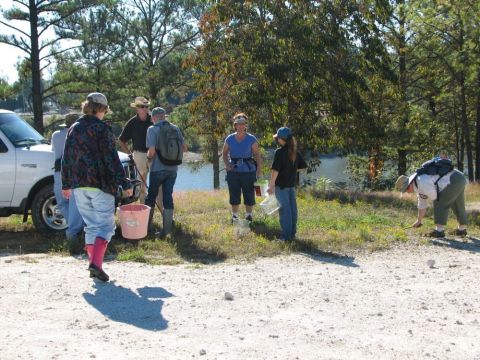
331, 167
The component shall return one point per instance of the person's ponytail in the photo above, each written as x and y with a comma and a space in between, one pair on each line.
292, 148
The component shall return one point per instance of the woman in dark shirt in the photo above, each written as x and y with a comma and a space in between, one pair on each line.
92, 172
286, 162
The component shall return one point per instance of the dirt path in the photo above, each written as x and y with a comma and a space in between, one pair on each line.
388, 305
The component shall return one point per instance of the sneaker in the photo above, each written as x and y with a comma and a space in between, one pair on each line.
98, 273
459, 232
436, 234
234, 218
249, 218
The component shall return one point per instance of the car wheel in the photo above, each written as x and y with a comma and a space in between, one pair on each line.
45, 213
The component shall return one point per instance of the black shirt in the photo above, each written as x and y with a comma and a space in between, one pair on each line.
136, 130
287, 170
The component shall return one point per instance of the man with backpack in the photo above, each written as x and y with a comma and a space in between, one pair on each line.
165, 151
438, 182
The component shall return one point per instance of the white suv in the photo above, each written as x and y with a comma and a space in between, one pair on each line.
26, 175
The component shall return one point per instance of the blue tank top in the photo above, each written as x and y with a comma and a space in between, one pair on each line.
240, 152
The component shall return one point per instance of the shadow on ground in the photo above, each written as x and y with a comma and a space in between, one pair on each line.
142, 309
314, 253
305, 247
30, 241
185, 243
469, 243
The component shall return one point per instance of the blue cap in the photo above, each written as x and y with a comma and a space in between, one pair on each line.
283, 133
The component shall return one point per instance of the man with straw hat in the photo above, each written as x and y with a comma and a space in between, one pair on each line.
449, 195
67, 207
136, 130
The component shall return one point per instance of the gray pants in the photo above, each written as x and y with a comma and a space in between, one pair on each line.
452, 197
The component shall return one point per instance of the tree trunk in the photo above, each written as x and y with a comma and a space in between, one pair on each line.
37, 96
461, 157
402, 161
465, 127
375, 166
216, 164
402, 76
477, 128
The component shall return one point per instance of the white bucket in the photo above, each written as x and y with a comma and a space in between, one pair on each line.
270, 205
261, 187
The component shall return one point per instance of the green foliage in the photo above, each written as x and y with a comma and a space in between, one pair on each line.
6, 90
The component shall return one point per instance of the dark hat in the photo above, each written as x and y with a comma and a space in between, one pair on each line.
158, 111
283, 133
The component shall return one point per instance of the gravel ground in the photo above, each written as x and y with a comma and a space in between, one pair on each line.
415, 302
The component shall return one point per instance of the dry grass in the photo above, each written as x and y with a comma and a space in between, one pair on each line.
337, 223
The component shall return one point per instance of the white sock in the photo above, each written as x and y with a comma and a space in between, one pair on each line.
439, 227
234, 214
248, 213
462, 227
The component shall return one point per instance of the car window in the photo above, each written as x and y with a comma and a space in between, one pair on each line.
3, 147
18, 131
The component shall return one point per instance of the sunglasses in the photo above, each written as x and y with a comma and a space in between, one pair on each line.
143, 106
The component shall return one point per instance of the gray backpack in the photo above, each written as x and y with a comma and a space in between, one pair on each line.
169, 144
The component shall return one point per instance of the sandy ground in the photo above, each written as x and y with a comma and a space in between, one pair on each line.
387, 305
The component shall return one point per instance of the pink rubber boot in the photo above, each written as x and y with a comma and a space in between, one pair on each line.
89, 250
99, 249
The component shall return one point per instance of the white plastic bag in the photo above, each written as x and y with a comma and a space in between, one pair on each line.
270, 204
241, 227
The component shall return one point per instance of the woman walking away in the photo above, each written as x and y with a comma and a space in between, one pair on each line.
243, 164
286, 163
92, 173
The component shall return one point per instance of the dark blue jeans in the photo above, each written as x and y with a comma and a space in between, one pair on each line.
166, 178
288, 213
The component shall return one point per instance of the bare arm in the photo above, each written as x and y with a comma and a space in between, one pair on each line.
420, 215
258, 158
151, 152
225, 152
271, 184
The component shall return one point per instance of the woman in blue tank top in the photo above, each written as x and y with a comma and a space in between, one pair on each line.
243, 164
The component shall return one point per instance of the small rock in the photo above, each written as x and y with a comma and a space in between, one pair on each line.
228, 296
203, 352
431, 263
